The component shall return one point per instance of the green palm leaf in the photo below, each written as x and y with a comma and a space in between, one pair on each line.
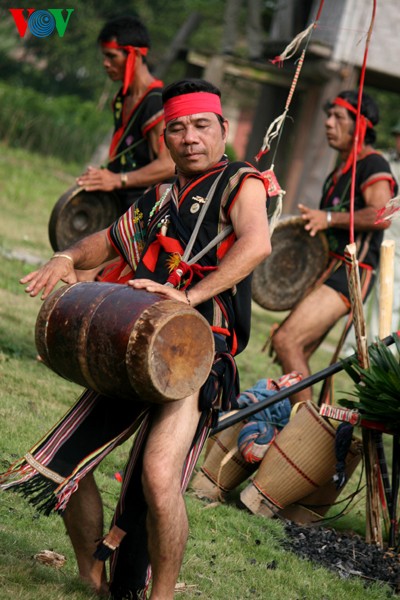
377, 388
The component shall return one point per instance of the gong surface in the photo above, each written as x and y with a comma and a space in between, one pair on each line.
294, 265
79, 213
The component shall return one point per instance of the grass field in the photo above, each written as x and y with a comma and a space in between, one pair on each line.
230, 553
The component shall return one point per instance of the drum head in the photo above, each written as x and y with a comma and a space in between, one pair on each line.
296, 262
79, 213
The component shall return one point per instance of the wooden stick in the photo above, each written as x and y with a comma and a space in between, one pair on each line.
373, 526
386, 285
244, 413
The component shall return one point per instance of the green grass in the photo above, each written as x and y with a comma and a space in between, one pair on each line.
230, 553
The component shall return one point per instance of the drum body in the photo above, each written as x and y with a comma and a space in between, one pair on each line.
124, 342
296, 262
300, 461
79, 213
224, 467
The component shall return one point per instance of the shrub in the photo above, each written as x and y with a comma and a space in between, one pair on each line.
64, 126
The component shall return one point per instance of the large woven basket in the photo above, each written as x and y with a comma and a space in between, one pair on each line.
314, 507
298, 463
224, 467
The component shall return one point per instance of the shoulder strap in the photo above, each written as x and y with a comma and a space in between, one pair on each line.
200, 219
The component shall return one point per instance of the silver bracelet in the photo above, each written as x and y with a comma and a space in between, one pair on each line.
329, 218
59, 255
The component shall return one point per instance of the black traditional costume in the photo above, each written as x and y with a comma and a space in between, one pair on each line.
52, 469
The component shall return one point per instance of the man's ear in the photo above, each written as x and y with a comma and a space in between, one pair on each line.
225, 126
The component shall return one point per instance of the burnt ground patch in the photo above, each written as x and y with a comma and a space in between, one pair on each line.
345, 553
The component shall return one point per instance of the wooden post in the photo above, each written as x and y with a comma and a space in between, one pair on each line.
385, 303
386, 284
373, 526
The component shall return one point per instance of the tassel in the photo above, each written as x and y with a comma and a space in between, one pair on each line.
273, 218
272, 133
103, 551
39, 492
292, 48
389, 212
344, 435
120, 594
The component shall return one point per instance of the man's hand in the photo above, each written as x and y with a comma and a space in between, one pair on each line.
316, 219
46, 278
99, 179
158, 288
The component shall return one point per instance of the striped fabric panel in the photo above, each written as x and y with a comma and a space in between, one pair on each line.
127, 235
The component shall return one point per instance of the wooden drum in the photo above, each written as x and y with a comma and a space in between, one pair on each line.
124, 342
299, 461
79, 213
296, 262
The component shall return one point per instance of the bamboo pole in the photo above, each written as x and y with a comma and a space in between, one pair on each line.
249, 411
373, 526
386, 289
386, 286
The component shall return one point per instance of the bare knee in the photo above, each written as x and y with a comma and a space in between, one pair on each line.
282, 341
161, 486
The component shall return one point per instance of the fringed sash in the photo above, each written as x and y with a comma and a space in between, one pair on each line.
51, 471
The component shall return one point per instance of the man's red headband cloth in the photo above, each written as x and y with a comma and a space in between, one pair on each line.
130, 61
191, 104
362, 129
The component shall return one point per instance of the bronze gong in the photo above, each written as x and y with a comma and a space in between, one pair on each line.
296, 262
78, 213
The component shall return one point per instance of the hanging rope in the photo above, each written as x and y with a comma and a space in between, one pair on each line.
275, 192
276, 127
358, 123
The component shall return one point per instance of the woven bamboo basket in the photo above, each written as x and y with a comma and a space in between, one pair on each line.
298, 463
314, 507
224, 467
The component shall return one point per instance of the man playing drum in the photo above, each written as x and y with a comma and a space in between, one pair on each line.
312, 318
228, 200
138, 157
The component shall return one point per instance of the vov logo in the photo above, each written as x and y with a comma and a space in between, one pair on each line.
41, 23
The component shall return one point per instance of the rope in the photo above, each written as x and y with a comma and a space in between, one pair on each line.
357, 126
276, 127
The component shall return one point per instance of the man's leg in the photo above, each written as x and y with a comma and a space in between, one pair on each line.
304, 329
83, 520
168, 443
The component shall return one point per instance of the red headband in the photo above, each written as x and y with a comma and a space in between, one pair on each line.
191, 104
350, 108
362, 128
130, 61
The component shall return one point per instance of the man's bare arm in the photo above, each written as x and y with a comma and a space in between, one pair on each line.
88, 253
160, 169
375, 196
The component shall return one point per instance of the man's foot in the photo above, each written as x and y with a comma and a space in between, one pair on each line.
97, 580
